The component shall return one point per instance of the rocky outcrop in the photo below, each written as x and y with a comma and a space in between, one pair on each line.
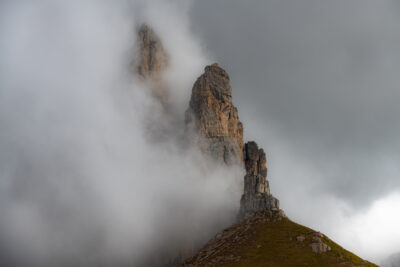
213, 118
256, 196
215, 121
268, 239
263, 229
150, 65
317, 245
152, 61
222, 250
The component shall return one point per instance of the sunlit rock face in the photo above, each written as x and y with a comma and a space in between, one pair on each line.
214, 119
256, 196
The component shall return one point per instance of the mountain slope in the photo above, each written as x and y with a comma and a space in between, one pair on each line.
265, 236
270, 239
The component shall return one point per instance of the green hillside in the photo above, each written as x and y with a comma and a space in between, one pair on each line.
271, 240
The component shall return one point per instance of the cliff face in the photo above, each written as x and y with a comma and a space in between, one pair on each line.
256, 196
152, 61
264, 235
216, 122
214, 118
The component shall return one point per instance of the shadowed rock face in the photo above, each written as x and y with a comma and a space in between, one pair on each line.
213, 117
152, 61
256, 196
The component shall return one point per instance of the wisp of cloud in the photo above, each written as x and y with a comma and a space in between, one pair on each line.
81, 182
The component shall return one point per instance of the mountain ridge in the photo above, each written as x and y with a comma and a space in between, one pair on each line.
269, 239
263, 235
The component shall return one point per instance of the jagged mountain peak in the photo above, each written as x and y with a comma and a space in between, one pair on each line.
213, 118
215, 68
152, 61
220, 134
264, 235
256, 196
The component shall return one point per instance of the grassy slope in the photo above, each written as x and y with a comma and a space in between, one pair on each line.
259, 242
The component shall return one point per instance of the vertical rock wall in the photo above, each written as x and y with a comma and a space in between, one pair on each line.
215, 121
152, 61
256, 196
213, 117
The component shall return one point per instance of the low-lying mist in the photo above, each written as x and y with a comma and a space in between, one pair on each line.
83, 178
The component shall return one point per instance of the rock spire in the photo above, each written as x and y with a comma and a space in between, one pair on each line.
152, 61
256, 196
216, 123
213, 117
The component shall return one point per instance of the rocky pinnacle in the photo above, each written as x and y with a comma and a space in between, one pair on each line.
215, 122
214, 119
256, 196
152, 61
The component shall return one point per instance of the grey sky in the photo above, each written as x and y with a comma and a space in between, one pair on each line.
315, 83
323, 77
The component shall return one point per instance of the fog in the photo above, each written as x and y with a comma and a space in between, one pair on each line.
83, 180
316, 85
93, 171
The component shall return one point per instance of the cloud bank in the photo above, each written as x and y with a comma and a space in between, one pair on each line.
82, 183
316, 84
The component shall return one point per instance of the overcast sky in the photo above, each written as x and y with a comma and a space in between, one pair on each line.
317, 85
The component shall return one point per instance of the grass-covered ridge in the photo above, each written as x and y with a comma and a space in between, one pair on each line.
266, 240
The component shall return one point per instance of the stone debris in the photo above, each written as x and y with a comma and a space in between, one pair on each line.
317, 245
320, 247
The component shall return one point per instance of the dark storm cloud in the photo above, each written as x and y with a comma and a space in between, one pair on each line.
320, 77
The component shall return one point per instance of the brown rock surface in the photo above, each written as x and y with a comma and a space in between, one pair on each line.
150, 66
213, 117
215, 122
256, 196
152, 61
